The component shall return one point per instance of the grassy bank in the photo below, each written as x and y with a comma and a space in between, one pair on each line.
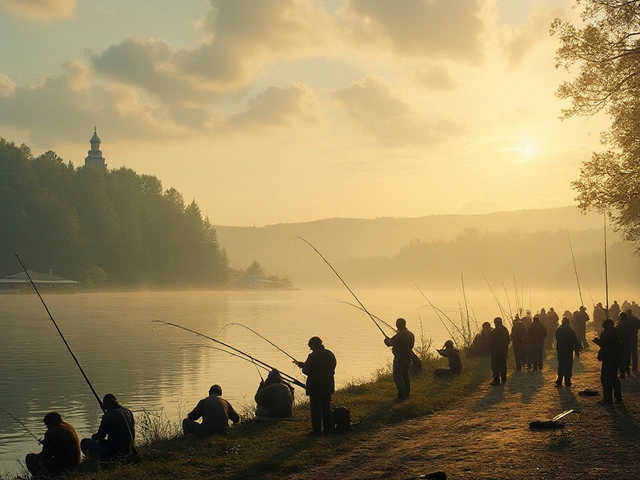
272, 449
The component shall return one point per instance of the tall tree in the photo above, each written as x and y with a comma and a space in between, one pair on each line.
606, 50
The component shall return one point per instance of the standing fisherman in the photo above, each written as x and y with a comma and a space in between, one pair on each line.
609, 354
566, 343
634, 321
499, 346
580, 319
60, 449
320, 368
402, 347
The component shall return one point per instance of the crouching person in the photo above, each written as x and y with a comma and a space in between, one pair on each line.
453, 355
274, 397
60, 449
116, 433
215, 412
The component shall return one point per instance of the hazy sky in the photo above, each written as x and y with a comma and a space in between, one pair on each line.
271, 111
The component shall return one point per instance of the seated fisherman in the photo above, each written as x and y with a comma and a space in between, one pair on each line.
274, 397
60, 449
115, 435
455, 364
215, 412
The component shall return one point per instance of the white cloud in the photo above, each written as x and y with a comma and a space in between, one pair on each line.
7, 86
39, 10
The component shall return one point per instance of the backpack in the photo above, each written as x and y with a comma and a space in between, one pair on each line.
341, 419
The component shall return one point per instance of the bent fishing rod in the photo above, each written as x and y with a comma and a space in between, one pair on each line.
233, 355
388, 325
251, 358
261, 336
438, 312
345, 284
575, 268
21, 423
95, 394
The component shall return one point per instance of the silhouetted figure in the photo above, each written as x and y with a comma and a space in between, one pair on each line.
527, 319
402, 347
319, 368
518, 342
480, 345
609, 355
566, 343
499, 347
215, 412
545, 320
634, 321
537, 332
115, 435
554, 323
599, 315
274, 397
635, 309
625, 331
453, 355
580, 319
614, 311
60, 449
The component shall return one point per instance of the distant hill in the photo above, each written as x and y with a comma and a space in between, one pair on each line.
341, 239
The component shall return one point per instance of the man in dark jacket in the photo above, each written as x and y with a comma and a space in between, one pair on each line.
625, 331
635, 326
320, 368
580, 319
274, 397
480, 345
453, 355
499, 347
60, 449
115, 435
537, 332
609, 355
402, 347
518, 342
566, 343
215, 412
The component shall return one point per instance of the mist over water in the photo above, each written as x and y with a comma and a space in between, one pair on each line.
154, 367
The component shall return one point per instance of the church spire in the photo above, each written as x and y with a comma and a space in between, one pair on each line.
94, 156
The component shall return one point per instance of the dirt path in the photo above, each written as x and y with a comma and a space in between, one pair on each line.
486, 435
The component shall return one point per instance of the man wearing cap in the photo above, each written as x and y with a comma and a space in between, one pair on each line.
402, 347
453, 355
609, 354
215, 412
60, 448
274, 397
115, 435
320, 368
499, 347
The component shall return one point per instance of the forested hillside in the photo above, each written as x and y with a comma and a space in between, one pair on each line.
102, 227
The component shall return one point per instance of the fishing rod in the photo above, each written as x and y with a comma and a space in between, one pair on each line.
557, 298
508, 302
502, 311
95, 394
606, 269
345, 284
261, 336
234, 355
374, 316
21, 423
438, 311
575, 268
259, 362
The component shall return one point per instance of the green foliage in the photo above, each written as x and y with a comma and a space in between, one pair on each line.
606, 48
102, 227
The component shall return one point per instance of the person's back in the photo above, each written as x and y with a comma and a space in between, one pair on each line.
518, 331
537, 332
276, 399
402, 343
566, 340
119, 428
320, 369
499, 340
60, 448
215, 412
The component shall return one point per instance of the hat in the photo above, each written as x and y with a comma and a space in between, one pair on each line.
315, 342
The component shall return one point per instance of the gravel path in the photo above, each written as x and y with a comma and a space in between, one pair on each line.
486, 435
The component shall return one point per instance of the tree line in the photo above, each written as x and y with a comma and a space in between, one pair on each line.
102, 227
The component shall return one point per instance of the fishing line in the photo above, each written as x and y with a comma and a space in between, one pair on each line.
575, 268
374, 316
249, 357
25, 427
438, 312
61, 335
261, 336
345, 284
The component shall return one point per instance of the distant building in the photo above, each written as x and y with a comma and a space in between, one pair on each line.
19, 283
95, 154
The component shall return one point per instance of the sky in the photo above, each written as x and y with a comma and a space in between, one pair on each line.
267, 112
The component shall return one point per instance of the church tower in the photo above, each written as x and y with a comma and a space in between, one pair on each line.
95, 154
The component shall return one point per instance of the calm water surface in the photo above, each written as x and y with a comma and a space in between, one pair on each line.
153, 367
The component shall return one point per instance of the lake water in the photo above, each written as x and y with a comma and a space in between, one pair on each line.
154, 367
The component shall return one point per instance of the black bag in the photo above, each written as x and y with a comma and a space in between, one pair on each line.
341, 419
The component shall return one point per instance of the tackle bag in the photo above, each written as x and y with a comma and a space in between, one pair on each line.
341, 419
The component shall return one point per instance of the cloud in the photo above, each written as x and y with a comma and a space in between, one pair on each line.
7, 86
435, 29
276, 107
373, 106
39, 10
436, 78
59, 106
239, 38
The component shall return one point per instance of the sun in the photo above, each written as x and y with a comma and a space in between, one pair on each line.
525, 152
